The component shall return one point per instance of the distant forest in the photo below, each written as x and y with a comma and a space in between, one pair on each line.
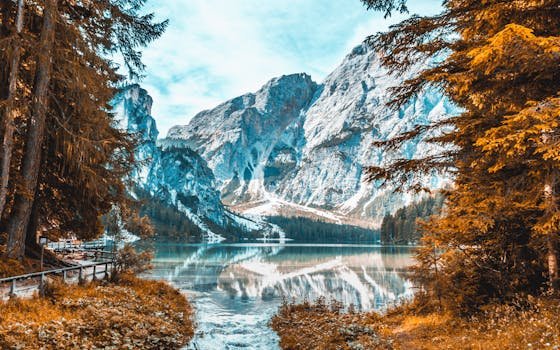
402, 227
169, 223
399, 228
308, 230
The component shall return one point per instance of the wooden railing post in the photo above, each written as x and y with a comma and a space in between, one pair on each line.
42, 285
13, 288
94, 272
64, 276
81, 275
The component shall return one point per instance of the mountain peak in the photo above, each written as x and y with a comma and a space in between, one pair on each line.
290, 79
298, 142
359, 50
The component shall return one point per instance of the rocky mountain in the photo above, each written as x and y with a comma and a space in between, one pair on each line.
238, 137
298, 146
132, 107
173, 174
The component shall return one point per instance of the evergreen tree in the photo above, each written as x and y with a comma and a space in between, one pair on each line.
19, 220
498, 60
402, 227
71, 162
9, 109
304, 229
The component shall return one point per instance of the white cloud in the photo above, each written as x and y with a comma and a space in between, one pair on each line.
215, 50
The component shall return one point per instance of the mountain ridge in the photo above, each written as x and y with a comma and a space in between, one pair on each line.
173, 174
297, 143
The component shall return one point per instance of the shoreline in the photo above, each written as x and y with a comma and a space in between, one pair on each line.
127, 313
413, 326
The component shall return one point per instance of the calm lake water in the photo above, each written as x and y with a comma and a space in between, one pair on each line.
236, 288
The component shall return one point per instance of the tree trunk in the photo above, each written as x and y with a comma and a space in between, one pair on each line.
9, 114
554, 275
32, 247
19, 219
31, 244
552, 237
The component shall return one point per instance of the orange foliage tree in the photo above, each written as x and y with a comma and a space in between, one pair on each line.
498, 60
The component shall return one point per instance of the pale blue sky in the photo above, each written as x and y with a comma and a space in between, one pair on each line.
215, 50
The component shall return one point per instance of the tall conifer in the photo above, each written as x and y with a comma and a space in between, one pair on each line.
84, 158
498, 60
10, 108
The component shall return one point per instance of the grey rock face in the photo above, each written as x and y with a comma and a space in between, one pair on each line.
295, 141
181, 177
133, 107
239, 137
169, 171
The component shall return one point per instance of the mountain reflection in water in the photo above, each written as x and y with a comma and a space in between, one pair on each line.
236, 288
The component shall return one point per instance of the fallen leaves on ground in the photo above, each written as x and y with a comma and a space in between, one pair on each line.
530, 324
129, 314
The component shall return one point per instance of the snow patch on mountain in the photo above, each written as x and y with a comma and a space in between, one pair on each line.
298, 143
238, 137
171, 171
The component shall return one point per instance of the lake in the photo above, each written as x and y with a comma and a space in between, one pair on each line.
236, 288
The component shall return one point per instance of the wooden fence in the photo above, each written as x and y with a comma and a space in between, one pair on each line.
68, 246
36, 281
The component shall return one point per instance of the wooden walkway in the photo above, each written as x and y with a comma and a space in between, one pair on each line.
69, 246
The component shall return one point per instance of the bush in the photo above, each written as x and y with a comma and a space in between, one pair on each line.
128, 260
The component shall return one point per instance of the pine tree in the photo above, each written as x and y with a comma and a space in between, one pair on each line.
9, 108
529, 140
402, 227
503, 205
84, 158
17, 226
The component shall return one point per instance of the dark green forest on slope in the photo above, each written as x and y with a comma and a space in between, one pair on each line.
308, 230
402, 227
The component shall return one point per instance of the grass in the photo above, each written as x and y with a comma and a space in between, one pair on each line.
528, 324
12, 267
129, 314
